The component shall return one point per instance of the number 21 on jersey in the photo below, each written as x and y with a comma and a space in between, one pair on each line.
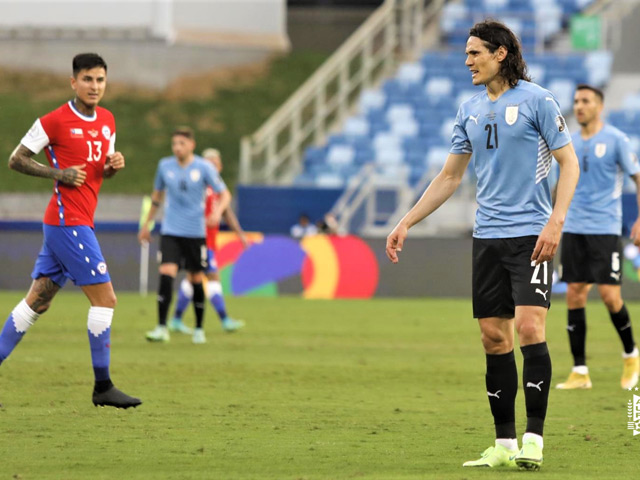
95, 151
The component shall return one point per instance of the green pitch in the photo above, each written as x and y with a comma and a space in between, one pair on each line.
380, 389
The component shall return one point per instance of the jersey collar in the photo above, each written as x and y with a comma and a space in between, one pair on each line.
80, 115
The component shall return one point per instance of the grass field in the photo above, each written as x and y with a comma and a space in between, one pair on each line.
379, 389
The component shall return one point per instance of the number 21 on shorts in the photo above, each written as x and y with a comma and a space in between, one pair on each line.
535, 278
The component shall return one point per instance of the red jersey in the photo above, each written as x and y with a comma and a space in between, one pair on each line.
212, 198
71, 138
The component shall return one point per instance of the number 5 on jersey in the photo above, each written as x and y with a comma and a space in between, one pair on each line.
94, 156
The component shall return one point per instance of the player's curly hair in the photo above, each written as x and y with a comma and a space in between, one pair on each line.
495, 34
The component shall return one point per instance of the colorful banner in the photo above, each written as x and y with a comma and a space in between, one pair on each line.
318, 266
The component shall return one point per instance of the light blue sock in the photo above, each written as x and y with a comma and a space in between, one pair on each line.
214, 292
99, 330
19, 321
185, 294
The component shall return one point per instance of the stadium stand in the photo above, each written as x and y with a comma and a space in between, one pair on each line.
404, 127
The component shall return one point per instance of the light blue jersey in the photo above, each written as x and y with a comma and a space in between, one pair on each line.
605, 158
185, 189
511, 140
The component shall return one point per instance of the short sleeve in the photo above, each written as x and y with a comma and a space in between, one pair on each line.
460, 142
112, 144
213, 179
158, 183
36, 138
551, 124
626, 157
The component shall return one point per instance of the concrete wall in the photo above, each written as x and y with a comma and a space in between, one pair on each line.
145, 42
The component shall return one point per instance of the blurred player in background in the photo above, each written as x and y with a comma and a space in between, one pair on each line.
79, 141
185, 178
592, 236
512, 129
214, 287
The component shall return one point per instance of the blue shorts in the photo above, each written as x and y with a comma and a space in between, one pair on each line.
212, 265
71, 252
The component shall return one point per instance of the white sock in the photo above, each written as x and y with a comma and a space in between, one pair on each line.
633, 354
213, 288
186, 288
23, 317
534, 437
508, 443
581, 370
99, 320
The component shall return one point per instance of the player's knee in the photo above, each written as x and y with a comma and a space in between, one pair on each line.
612, 301
577, 296
494, 341
530, 332
110, 300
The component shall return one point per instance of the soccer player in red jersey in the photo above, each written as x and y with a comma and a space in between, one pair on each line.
79, 142
214, 287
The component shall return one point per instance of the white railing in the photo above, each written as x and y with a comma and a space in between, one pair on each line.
273, 154
359, 203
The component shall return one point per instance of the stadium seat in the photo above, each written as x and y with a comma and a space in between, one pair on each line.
371, 100
563, 89
356, 126
410, 73
439, 87
341, 155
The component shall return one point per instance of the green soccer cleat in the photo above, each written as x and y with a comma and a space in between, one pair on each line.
529, 457
158, 334
198, 336
496, 456
176, 325
231, 325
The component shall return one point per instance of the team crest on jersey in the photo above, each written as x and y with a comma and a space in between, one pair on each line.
102, 268
93, 133
560, 123
194, 175
601, 149
76, 133
106, 132
511, 114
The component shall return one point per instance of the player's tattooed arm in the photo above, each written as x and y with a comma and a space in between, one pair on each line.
21, 161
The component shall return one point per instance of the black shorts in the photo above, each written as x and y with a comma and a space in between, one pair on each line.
591, 259
504, 277
187, 253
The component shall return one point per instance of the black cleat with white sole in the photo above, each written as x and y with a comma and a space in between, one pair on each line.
114, 398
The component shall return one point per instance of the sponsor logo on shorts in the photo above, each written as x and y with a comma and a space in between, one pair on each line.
102, 268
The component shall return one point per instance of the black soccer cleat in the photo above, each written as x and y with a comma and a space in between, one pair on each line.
114, 398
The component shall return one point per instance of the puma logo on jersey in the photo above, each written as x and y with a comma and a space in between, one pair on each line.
475, 119
494, 394
535, 385
616, 276
544, 294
